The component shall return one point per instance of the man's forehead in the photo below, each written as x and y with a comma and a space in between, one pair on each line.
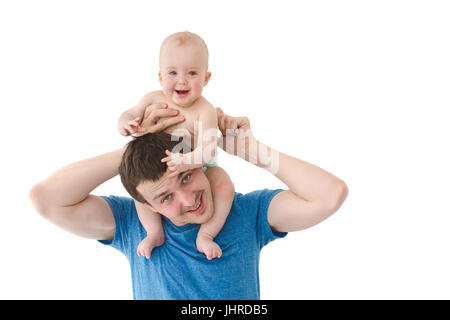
149, 188
152, 190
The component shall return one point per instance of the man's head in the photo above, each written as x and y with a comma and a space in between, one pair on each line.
183, 199
183, 63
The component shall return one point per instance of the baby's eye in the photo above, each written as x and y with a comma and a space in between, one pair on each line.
166, 198
172, 73
192, 73
186, 178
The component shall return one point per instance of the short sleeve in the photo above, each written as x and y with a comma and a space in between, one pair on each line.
262, 199
122, 209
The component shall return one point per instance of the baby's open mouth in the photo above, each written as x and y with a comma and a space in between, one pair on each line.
182, 92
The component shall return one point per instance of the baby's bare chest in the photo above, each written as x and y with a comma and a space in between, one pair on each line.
191, 115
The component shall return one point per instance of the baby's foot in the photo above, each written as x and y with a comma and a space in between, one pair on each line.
147, 245
208, 247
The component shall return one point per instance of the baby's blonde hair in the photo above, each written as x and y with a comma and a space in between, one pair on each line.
184, 38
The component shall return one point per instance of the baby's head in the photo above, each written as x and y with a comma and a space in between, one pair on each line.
183, 67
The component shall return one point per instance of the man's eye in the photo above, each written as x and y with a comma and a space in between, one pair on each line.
186, 178
166, 198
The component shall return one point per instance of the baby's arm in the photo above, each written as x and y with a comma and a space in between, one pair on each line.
206, 143
129, 121
223, 194
206, 146
152, 223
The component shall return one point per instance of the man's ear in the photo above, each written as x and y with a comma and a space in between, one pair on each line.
149, 207
207, 77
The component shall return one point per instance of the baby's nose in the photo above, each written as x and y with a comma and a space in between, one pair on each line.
181, 79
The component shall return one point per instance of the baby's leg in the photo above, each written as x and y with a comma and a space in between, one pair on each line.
223, 194
153, 225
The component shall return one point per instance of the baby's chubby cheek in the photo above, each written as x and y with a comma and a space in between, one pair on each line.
196, 89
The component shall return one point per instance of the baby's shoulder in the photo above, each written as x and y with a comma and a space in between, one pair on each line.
201, 101
153, 96
203, 106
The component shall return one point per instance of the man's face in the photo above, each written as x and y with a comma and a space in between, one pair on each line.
183, 199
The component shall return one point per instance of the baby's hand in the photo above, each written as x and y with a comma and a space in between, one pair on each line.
133, 127
174, 163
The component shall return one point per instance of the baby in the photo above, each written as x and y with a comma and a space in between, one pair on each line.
183, 63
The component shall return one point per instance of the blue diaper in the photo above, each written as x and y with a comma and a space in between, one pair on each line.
211, 163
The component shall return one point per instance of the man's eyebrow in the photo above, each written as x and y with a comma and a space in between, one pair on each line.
159, 195
180, 175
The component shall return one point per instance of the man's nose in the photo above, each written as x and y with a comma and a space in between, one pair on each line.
187, 199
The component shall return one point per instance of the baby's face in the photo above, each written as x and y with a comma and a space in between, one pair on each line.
183, 72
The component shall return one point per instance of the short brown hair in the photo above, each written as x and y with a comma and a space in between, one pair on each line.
141, 160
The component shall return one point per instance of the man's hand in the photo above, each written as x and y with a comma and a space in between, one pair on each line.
158, 117
237, 138
133, 127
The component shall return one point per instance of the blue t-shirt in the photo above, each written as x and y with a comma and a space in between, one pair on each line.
176, 270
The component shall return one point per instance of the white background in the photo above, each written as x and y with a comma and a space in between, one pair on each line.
359, 88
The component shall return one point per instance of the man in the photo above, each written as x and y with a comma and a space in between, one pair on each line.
176, 270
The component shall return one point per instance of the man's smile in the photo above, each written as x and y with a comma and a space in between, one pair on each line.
198, 207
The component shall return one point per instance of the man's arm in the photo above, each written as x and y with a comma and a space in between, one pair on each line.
314, 194
64, 197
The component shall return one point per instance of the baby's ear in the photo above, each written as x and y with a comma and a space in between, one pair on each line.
207, 77
160, 77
